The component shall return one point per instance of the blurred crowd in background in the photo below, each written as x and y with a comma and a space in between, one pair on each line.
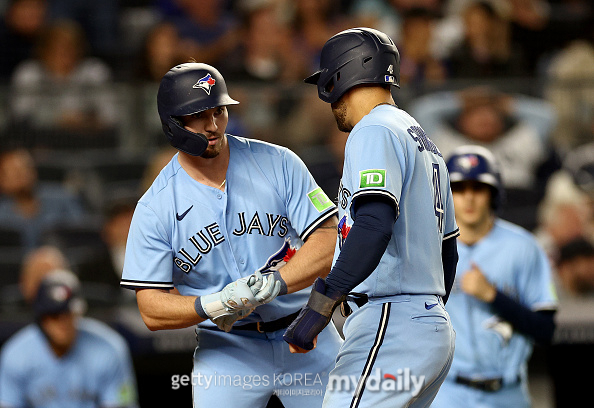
81, 139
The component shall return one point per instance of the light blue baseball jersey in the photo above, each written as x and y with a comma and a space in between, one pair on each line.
389, 154
97, 371
198, 239
510, 259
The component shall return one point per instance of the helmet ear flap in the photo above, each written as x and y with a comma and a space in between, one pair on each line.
194, 144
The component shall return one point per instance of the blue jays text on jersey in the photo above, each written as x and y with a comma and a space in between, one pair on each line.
270, 201
210, 236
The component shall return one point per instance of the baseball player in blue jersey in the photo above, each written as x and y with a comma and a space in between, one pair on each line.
396, 247
502, 300
227, 226
64, 360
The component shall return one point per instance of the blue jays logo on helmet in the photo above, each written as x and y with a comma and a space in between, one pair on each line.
343, 231
476, 163
279, 258
205, 83
468, 162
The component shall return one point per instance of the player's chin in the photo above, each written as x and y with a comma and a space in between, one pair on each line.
213, 150
210, 153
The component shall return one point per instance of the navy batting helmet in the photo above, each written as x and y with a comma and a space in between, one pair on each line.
58, 292
354, 57
184, 90
476, 163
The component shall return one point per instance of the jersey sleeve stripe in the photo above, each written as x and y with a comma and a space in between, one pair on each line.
136, 284
320, 220
383, 193
453, 234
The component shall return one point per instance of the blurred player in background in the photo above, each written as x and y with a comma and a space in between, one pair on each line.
227, 226
502, 300
64, 360
397, 236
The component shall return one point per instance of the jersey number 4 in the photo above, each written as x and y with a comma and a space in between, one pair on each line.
437, 199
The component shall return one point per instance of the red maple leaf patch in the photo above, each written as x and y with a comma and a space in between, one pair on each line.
289, 255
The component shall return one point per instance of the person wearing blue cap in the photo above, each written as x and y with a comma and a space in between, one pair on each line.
63, 359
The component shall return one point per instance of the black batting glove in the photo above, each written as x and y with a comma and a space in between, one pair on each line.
314, 316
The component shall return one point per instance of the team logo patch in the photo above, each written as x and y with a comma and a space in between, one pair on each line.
60, 293
319, 199
468, 161
205, 83
343, 231
372, 178
279, 258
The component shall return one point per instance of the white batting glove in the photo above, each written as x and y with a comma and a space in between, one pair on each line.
226, 323
245, 293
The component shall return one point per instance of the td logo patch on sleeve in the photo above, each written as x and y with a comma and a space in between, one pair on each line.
319, 199
372, 178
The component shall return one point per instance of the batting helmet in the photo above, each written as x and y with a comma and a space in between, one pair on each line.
184, 90
58, 292
354, 57
476, 163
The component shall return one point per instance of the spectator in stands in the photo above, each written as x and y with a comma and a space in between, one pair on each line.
418, 64
19, 31
98, 19
515, 128
162, 49
207, 30
580, 164
64, 359
266, 53
486, 50
575, 269
62, 89
564, 215
570, 88
28, 205
265, 57
312, 23
388, 15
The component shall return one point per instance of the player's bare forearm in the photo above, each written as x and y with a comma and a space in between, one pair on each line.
313, 259
162, 310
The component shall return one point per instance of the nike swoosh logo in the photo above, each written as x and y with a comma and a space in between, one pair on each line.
429, 307
181, 217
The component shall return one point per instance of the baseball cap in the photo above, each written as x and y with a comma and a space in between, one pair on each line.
59, 292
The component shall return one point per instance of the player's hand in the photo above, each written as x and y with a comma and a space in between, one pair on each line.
245, 293
298, 350
314, 316
226, 323
475, 283
250, 292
